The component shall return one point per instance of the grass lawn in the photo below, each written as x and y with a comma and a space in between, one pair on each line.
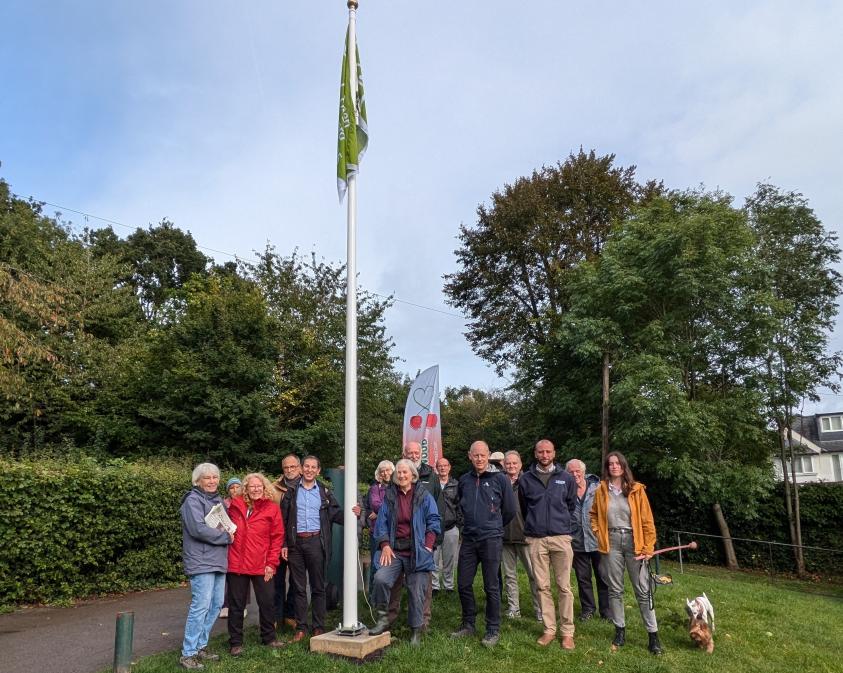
761, 626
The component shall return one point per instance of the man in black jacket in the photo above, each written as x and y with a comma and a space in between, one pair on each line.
449, 511
487, 505
309, 511
548, 495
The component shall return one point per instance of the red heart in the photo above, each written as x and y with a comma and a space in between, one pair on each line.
415, 422
432, 420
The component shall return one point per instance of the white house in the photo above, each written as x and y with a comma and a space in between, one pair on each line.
818, 445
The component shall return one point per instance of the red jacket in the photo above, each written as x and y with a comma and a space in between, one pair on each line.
257, 542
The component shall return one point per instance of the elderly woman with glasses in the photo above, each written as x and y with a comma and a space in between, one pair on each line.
405, 533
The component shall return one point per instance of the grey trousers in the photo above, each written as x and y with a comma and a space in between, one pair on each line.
416, 583
445, 558
512, 553
622, 555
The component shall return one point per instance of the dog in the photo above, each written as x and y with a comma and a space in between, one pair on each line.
701, 625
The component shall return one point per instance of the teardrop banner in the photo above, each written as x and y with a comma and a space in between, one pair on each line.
421, 415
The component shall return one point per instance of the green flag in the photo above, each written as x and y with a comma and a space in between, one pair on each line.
353, 137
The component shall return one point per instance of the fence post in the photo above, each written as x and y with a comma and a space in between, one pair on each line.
679, 544
123, 642
772, 570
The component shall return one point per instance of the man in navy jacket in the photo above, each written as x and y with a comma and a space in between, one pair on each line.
487, 504
548, 497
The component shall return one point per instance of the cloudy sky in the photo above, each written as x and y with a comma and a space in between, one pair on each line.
222, 116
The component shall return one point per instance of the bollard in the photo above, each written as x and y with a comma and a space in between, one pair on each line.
123, 642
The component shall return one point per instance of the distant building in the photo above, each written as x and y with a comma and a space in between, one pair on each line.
818, 448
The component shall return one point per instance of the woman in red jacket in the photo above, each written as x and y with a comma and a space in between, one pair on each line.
253, 559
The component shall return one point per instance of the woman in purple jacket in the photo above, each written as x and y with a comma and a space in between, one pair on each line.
372, 505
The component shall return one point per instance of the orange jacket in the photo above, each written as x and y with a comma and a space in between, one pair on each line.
643, 528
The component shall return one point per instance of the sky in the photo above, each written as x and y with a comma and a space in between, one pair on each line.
222, 117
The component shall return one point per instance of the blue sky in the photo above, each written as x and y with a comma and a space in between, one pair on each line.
222, 117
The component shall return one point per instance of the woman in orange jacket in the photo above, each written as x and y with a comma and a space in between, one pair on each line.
622, 521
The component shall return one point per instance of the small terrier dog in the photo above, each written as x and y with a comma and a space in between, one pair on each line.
701, 626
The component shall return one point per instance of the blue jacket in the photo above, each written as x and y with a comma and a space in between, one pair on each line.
425, 518
583, 539
487, 504
204, 549
551, 510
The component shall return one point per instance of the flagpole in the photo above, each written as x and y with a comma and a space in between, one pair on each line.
350, 622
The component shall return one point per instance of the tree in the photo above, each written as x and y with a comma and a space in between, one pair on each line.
797, 257
306, 298
162, 259
673, 295
515, 262
206, 379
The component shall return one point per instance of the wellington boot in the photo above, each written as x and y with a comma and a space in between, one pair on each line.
654, 645
382, 623
620, 637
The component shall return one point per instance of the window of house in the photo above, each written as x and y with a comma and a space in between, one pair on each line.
803, 464
837, 466
831, 423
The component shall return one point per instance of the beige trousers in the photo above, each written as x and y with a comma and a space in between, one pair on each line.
554, 552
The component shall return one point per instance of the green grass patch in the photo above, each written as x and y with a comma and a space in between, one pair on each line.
761, 626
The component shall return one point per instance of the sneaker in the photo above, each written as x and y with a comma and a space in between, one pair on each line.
275, 644
224, 613
585, 616
464, 631
513, 614
539, 616
204, 655
490, 639
191, 663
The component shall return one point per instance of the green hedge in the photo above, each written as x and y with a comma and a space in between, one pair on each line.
821, 514
75, 528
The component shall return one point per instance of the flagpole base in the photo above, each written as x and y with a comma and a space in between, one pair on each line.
360, 646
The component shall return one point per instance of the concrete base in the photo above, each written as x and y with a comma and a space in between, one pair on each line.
354, 647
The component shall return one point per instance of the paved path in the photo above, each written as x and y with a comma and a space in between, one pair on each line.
80, 639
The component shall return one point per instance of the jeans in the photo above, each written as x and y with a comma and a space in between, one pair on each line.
207, 591
486, 553
622, 555
417, 583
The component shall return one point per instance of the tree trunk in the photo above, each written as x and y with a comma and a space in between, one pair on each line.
728, 546
788, 501
604, 425
797, 550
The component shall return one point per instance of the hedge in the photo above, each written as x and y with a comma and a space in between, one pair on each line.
75, 528
821, 514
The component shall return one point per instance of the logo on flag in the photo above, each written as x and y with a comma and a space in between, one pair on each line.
353, 136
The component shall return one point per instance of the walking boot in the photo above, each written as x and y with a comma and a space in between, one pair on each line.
415, 637
620, 637
654, 646
382, 623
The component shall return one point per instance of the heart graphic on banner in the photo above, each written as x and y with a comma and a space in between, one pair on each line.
426, 393
415, 422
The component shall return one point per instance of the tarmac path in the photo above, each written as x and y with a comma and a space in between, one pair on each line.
80, 639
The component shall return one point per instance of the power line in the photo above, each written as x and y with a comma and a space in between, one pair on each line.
234, 256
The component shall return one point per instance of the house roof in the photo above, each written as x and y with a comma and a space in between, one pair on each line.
807, 429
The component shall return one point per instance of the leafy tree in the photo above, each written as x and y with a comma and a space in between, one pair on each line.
207, 375
797, 258
516, 261
306, 298
673, 296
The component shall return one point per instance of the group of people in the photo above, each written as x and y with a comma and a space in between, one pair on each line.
426, 527
282, 527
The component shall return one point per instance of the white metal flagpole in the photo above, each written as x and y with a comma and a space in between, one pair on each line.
349, 577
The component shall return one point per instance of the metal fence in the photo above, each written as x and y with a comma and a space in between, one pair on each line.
775, 559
